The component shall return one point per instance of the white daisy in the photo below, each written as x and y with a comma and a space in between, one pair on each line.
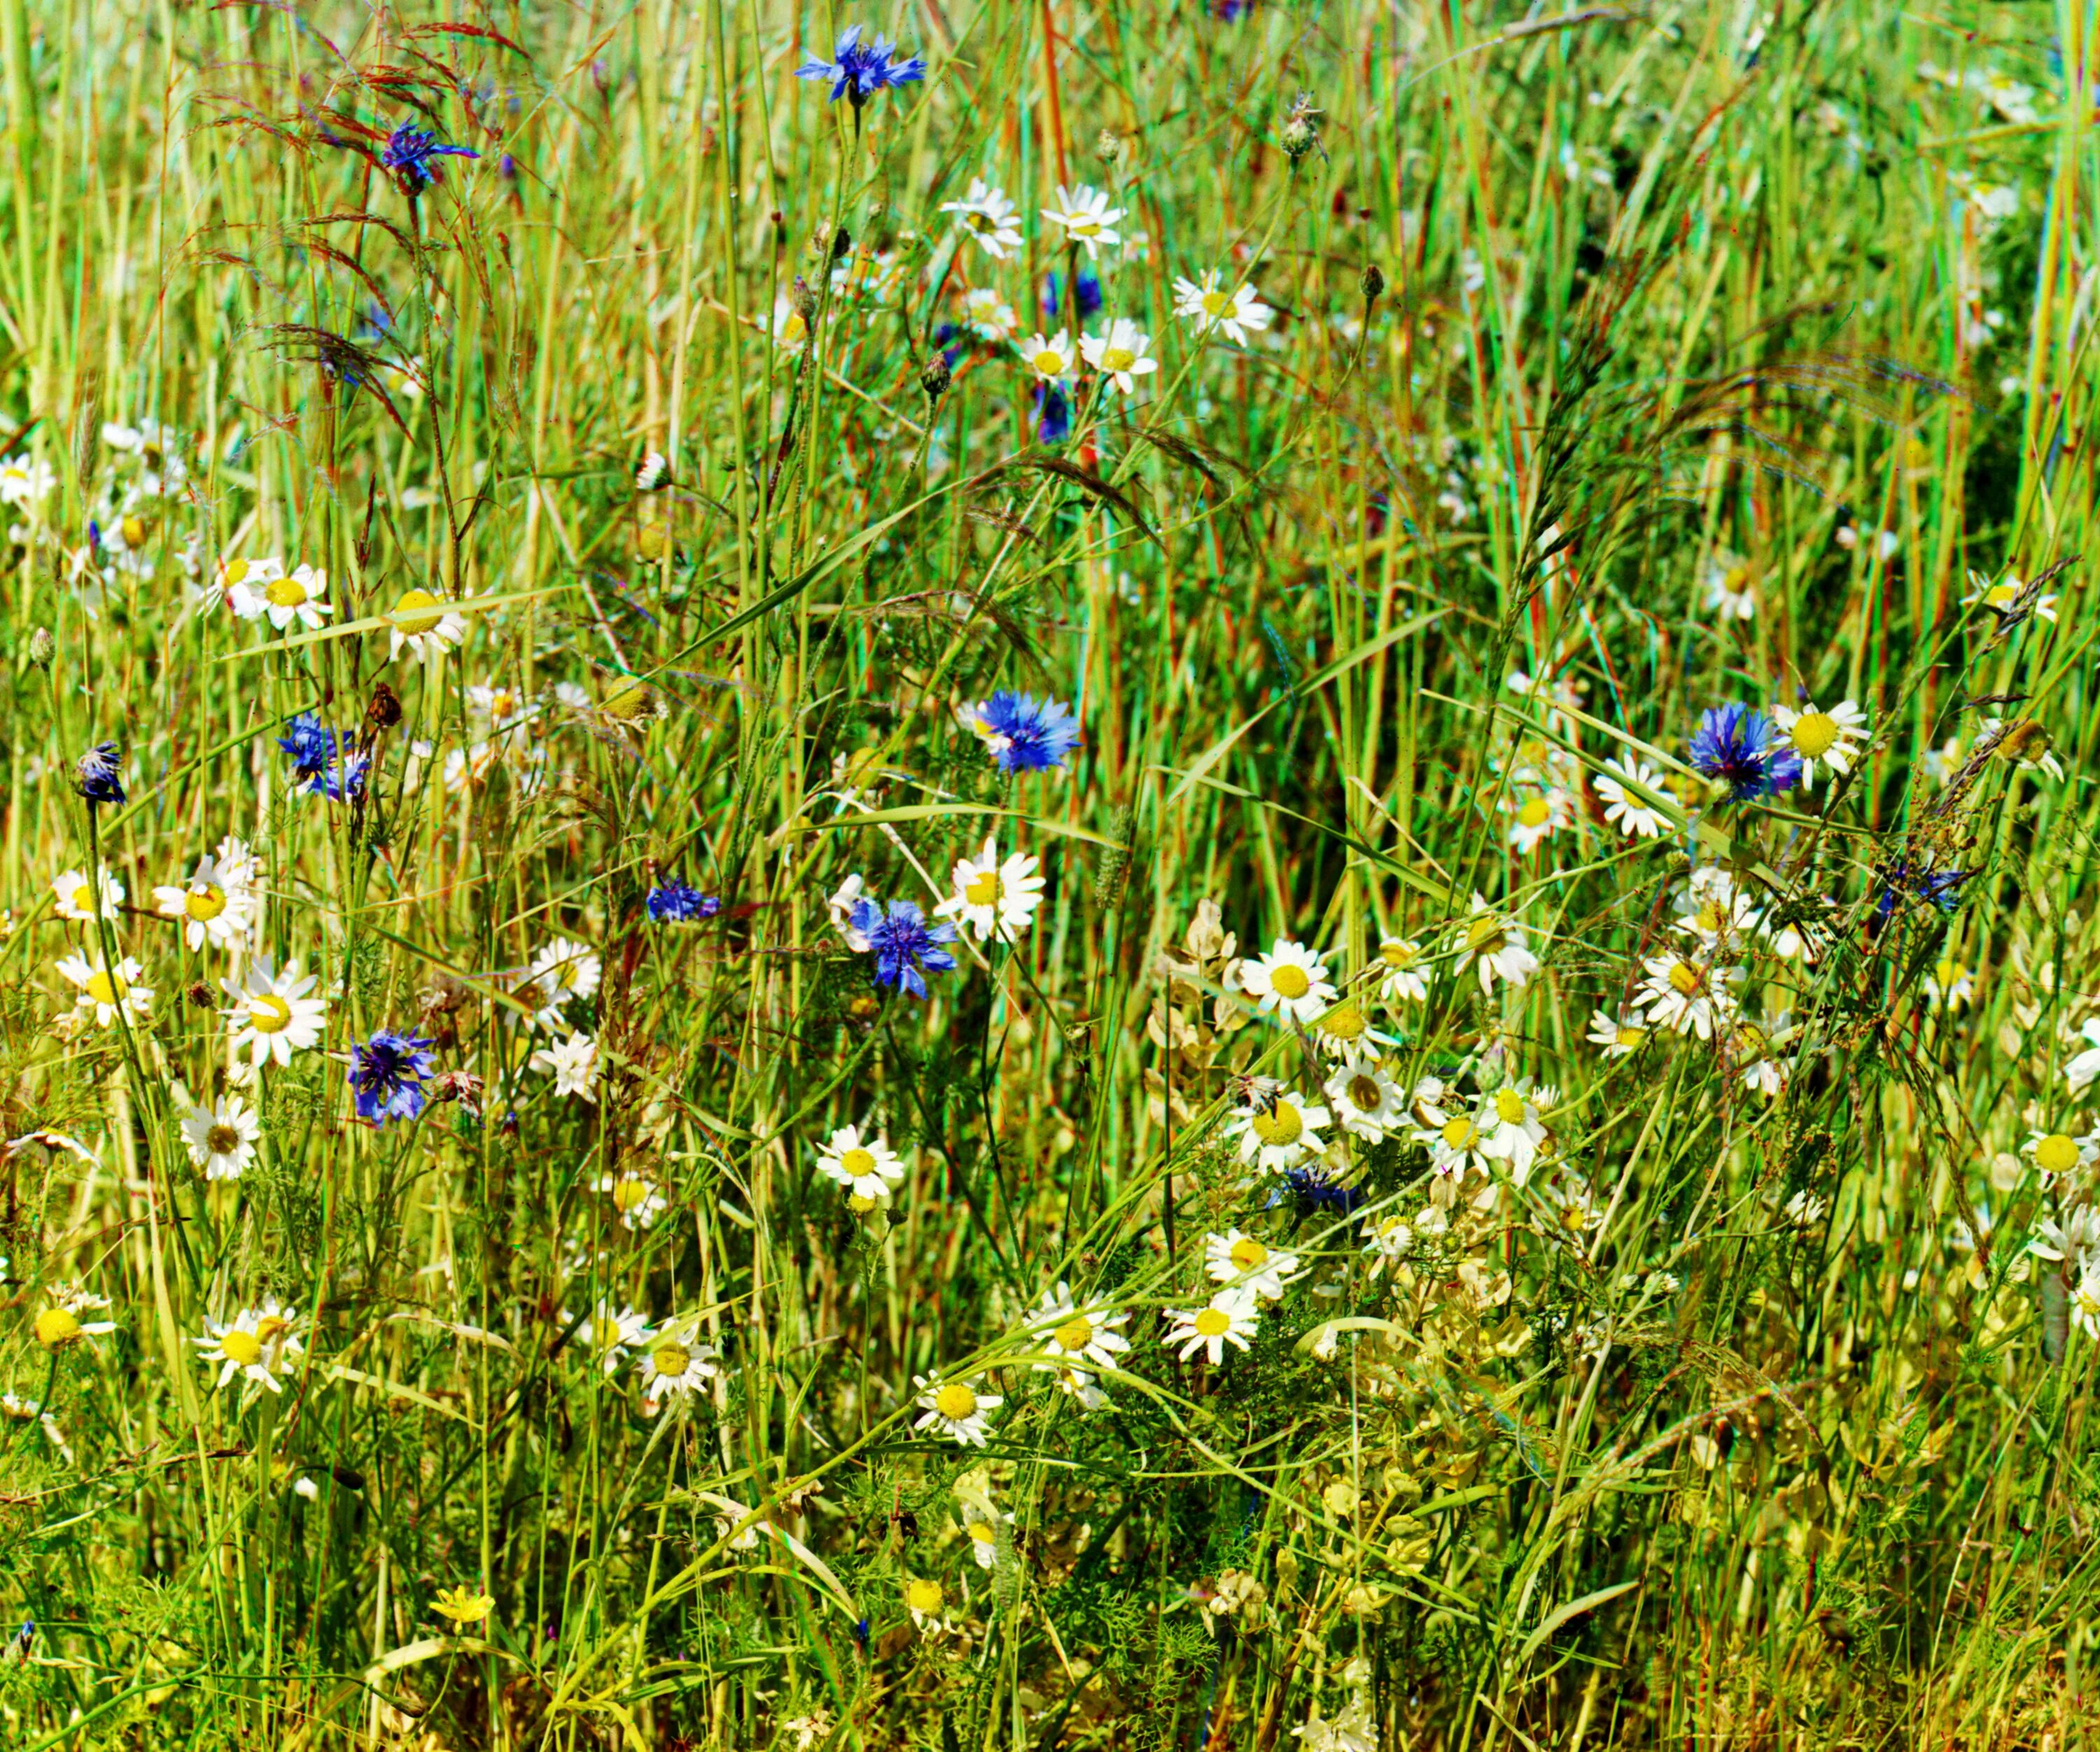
1511, 1130
988, 216
865, 1166
424, 625
272, 1015
1730, 590
1367, 1103
256, 1343
1389, 1239
2002, 598
1053, 359
1686, 997
992, 898
1291, 980
1075, 1336
987, 316
1087, 217
1830, 740
103, 995
1454, 1141
1274, 1133
1622, 808
1344, 1036
612, 1334
675, 1361
1248, 1265
60, 1325
1537, 817
636, 1202
956, 1408
74, 897
559, 972
221, 1138
213, 907
1494, 947
300, 594
2056, 1154
25, 480
1755, 1062
234, 575
1229, 1318
1236, 314
1400, 974
1121, 355
1619, 1035
573, 1062
1950, 986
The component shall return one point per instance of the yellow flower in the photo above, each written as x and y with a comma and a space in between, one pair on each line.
464, 1607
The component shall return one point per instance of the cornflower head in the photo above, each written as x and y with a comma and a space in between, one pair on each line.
387, 1074
410, 153
675, 902
94, 775
858, 70
1025, 734
322, 765
906, 948
1743, 748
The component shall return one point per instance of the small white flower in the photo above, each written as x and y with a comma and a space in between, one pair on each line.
840, 905
613, 1333
865, 1166
74, 897
988, 216
1620, 1035
573, 1062
1274, 1133
102, 995
1400, 974
221, 1139
636, 1202
1829, 741
1248, 1265
2056, 1154
988, 316
300, 594
1950, 986
1623, 808
1236, 314
1511, 1130
423, 624
676, 1362
561, 970
1076, 1336
1053, 359
956, 1408
1229, 1318
25, 480
1731, 592
992, 898
214, 906
255, 1343
1088, 219
2003, 597
273, 1017
2081, 1069
1494, 947
1686, 997
1538, 816
1291, 980
1121, 354
1366, 1102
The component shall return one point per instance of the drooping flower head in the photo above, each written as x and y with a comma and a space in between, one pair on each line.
859, 70
409, 153
1740, 746
906, 948
1026, 735
95, 775
387, 1074
675, 902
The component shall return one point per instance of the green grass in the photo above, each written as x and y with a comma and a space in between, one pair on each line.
1712, 1428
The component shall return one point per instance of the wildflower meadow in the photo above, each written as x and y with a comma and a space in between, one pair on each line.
1112, 874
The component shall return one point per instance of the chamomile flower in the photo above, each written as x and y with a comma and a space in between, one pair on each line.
1366, 1102
1086, 216
1053, 359
2003, 597
1511, 1130
1236, 314
926, 1601
1274, 1134
214, 906
982, 1525
574, 1063
956, 1408
221, 1138
1730, 590
255, 1343
1122, 355
1756, 1061
675, 1361
1388, 1240
636, 1201
1290, 980
1401, 975
2085, 1299
1494, 947
102, 994
1950, 986
1455, 1143
235, 576
1345, 1036
1573, 1205
272, 1015
1076, 1335
73, 896
58, 1325
1823, 741
1248, 1265
1621, 1036
1622, 808
992, 898
1230, 1317
989, 217
987, 316
25, 480
423, 624
561, 971
1537, 817
614, 1333
864, 1165
2056, 1154
300, 595
2079, 1071
1684, 996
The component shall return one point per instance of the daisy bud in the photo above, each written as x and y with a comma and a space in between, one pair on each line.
42, 648
934, 377
1373, 282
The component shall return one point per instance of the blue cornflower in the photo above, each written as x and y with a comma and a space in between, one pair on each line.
681, 903
1089, 284
1940, 889
1053, 415
1314, 1192
863, 69
321, 764
388, 1073
94, 775
408, 154
1025, 735
1740, 746
906, 948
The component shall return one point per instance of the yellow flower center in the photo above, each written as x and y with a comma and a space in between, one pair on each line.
924, 1595
956, 1402
1458, 1133
268, 1013
1814, 733
1289, 980
1573, 1217
55, 1326
1115, 358
1079, 226
1049, 363
1282, 1124
605, 1332
271, 1327
628, 703
1683, 978
205, 904
2001, 595
982, 890
102, 988
285, 593
243, 1347
860, 1204
1948, 974
629, 1194
1364, 1094
2056, 1153
1486, 935
1247, 1253
83, 899
1075, 1335
221, 1141
857, 1163
1216, 304
1628, 1036
134, 530
236, 570
1398, 955
1213, 1322
1346, 1023
1534, 813
1707, 920
981, 223
672, 1361
982, 1533
418, 612
1509, 1107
